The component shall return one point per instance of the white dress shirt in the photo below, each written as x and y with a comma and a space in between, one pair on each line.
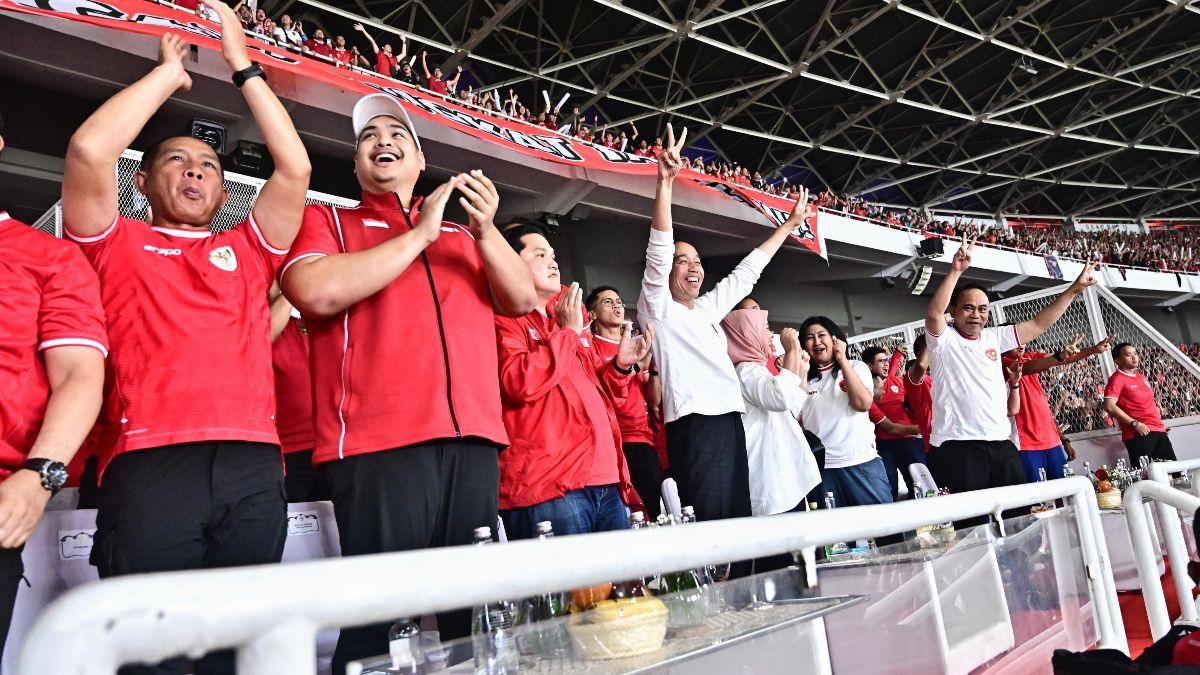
782, 466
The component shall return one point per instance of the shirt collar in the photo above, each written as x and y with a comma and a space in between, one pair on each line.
389, 201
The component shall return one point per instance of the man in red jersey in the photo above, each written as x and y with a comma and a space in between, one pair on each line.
435, 82
195, 479
918, 391
52, 349
318, 44
565, 464
399, 309
385, 61
607, 313
1041, 445
293, 399
1130, 400
896, 441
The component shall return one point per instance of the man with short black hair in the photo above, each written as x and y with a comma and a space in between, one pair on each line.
1129, 399
971, 446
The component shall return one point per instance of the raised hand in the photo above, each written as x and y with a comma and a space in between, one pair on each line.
1087, 277
799, 212
359, 27
233, 39
903, 349
962, 259
633, 350
481, 201
839, 350
1014, 372
1072, 348
790, 339
1102, 346
669, 161
171, 52
433, 209
568, 312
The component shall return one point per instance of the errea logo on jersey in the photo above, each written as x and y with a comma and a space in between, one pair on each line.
162, 251
533, 334
223, 259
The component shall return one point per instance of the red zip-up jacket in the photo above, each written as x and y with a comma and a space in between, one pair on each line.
553, 438
891, 403
413, 363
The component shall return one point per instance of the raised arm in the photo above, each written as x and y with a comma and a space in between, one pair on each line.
860, 395
374, 47
935, 313
1012, 376
89, 190
76, 377
799, 212
1043, 320
508, 276
403, 48
280, 203
452, 84
323, 285
656, 296
425, 66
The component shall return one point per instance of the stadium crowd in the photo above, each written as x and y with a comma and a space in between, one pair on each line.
353, 340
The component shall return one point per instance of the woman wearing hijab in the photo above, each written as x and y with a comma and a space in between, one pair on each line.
837, 412
782, 467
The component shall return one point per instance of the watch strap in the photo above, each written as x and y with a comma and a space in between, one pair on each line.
241, 76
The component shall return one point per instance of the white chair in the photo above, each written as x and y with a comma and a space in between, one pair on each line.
670, 494
921, 478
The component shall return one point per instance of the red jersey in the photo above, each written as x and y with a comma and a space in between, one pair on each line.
631, 411
385, 64
319, 48
190, 331
50, 299
343, 56
1133, 394
293, 388
1035, 423
918, 397
557, 393
437, 85
891, 402
414, 362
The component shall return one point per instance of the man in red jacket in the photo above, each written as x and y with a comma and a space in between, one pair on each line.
565, 462
405, 393
898, 447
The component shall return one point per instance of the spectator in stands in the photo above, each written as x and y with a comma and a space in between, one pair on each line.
408, 75
293, 398
319, 44
52, 350
895, 432
263, 24
1129, 398
836, 412
918, 391
706, 442
422, 291
188, 485
347, 57
385, 61
245, 17
606, 311
1041, 442
782, 466
288, 34
565, 464
970, 444
434, 81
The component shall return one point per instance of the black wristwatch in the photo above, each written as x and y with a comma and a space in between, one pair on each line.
255, 70
624, 371
54, 474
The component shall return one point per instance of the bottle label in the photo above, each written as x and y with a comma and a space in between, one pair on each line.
402, 652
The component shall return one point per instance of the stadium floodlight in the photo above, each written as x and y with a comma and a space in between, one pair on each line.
1025, 65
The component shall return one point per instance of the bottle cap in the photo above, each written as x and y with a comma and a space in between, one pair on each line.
544, 526
688, 511
483, 533
638, 517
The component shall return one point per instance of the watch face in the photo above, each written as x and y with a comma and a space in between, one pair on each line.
56, 475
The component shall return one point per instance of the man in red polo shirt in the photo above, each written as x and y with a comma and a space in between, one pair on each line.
52, 349
318, 44
897, 440
385, 62
399, 309
435, 82
918, 391
607, 313
195, 479
1130, 400
565, 464
293, 399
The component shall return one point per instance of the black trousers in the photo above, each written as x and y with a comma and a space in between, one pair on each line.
11, 572
962, 466
708, 461
421, 496
190, 506
300, 478
1155, 445
645, 472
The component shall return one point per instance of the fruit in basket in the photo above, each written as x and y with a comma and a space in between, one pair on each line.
1104, 486
586, 597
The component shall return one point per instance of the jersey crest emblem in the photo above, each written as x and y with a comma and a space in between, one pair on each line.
584, 341
842, 385
223, 258
991, 354
895, 389
533, 334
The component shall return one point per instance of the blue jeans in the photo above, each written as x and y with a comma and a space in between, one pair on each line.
857, 485
589, 509
1051, 460
898, 453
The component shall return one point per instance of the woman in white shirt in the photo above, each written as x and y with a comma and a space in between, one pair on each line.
837, 413
782, 466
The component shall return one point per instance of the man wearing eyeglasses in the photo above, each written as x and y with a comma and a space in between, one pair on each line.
606, 311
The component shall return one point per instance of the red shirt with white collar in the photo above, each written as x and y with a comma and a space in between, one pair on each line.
1036, 426
50, 300
190, 331
631, 412
437, 85
414, 362
558, 397
918, 400
891, 402
1133, 394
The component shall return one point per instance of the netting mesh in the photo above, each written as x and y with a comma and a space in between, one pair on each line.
1175, 389
887, 342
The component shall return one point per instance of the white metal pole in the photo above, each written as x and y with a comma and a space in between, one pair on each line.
1145, 557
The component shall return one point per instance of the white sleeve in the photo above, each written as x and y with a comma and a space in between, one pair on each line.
779, 393
1007, 338
656, 295
864, 375
740, 282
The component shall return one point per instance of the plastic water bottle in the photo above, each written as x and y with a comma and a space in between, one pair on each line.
839, 550
404, 645
539, 632
1047, 505
492, 629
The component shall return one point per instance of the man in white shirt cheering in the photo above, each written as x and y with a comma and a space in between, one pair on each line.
702, 400
970, 442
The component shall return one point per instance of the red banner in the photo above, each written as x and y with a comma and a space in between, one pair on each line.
142, 17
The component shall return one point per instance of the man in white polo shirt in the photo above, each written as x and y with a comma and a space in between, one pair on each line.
970, 445
702, 400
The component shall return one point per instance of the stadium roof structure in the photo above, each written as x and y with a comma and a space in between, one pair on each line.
1084, 109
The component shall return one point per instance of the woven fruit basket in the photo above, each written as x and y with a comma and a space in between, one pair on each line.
618, 629
1110, 499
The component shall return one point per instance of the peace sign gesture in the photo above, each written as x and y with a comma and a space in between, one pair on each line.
1088, 276
669, 161
799, 211
962, 259
1072, 348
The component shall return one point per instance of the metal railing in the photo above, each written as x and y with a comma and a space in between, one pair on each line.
1171, 505
271, 614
